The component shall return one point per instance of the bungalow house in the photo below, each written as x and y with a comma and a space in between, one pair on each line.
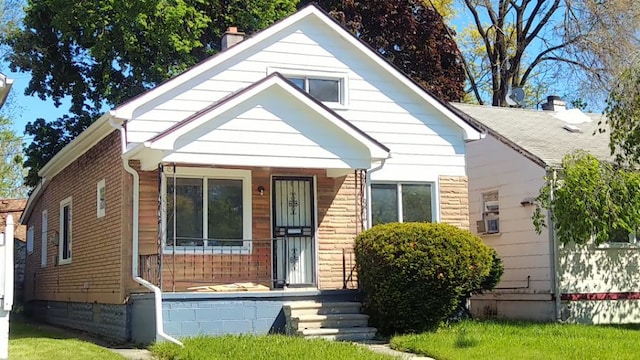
543, 280
252, 171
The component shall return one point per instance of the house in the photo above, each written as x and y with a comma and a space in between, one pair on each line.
543, 280
5, 87
252, 171
14, 207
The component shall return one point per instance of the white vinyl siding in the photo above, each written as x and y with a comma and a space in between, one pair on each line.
424, 143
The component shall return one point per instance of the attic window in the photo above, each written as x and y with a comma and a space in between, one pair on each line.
325, 90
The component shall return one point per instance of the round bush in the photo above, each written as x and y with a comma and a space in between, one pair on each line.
413, 274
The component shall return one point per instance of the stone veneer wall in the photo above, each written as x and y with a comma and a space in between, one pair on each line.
454, 200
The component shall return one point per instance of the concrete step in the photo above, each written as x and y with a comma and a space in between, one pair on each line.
298, 308
340, 334
329, 321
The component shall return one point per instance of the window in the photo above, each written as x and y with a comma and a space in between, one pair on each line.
326, 90
401, 203
43, 239
30, 240
490, 223
213, 209
64, 242
101, 205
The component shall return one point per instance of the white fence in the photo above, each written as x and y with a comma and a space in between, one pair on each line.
6, 286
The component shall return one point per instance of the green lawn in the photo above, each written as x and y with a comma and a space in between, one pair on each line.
521, 340
262, 347
27, 341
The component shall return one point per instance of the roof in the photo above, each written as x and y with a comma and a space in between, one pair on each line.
5, 87
543, 136
127, 109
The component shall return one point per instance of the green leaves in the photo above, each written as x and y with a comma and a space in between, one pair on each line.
590, 199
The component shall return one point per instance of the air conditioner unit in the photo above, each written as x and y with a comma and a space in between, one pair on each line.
491, 206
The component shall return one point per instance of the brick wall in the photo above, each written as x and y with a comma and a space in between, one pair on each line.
95, 271
339, 221
454, 200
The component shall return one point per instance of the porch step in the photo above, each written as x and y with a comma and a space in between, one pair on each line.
328, 320
341, 334
321, 308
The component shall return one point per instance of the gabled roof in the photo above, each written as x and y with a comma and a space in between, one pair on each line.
5, 87
545, 137
318, 119
126, 110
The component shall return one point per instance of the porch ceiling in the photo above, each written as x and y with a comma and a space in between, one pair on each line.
270, 123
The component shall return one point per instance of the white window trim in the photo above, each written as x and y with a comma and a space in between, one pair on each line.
61, 261
434, 211
44, 226
100, 212
483, 212
202, 173
343, 77
30, 240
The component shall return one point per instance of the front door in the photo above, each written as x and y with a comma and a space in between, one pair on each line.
293, 231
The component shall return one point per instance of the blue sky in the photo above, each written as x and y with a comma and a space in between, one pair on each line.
22, 108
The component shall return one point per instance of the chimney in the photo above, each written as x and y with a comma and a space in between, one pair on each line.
231, 37
554, 103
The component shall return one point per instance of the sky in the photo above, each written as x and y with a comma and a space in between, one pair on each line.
22, 108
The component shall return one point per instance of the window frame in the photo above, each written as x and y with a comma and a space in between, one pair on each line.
44, 228
432, 187
341, 77
490, 215
61, 259
101, 211
205, 174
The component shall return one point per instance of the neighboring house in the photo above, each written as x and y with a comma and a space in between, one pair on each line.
15, 207
543, 280
253, 166
5, 87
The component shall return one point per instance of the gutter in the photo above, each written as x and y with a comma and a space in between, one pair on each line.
368, 184
157, 292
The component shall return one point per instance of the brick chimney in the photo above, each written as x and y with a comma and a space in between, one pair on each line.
554, 103
231, 37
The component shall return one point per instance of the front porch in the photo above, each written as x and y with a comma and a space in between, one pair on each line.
301, 225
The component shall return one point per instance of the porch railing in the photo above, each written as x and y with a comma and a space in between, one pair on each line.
202, 264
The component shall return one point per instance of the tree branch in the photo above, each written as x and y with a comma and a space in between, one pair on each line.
542, 22
539, 58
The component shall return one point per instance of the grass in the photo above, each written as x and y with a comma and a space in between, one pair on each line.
262, 347
522, 340
28, 341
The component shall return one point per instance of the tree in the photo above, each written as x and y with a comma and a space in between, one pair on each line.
411, 35
583, 42
11, 173
623, 115
104, 52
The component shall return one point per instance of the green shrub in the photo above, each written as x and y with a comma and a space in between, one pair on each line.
414, 274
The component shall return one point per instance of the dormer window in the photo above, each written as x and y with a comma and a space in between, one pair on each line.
325, 90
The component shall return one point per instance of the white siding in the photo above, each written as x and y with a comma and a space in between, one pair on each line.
424, 144
263, 132
495, 166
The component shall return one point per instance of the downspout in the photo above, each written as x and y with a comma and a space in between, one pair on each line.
135, 251
555, 271
368, 185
